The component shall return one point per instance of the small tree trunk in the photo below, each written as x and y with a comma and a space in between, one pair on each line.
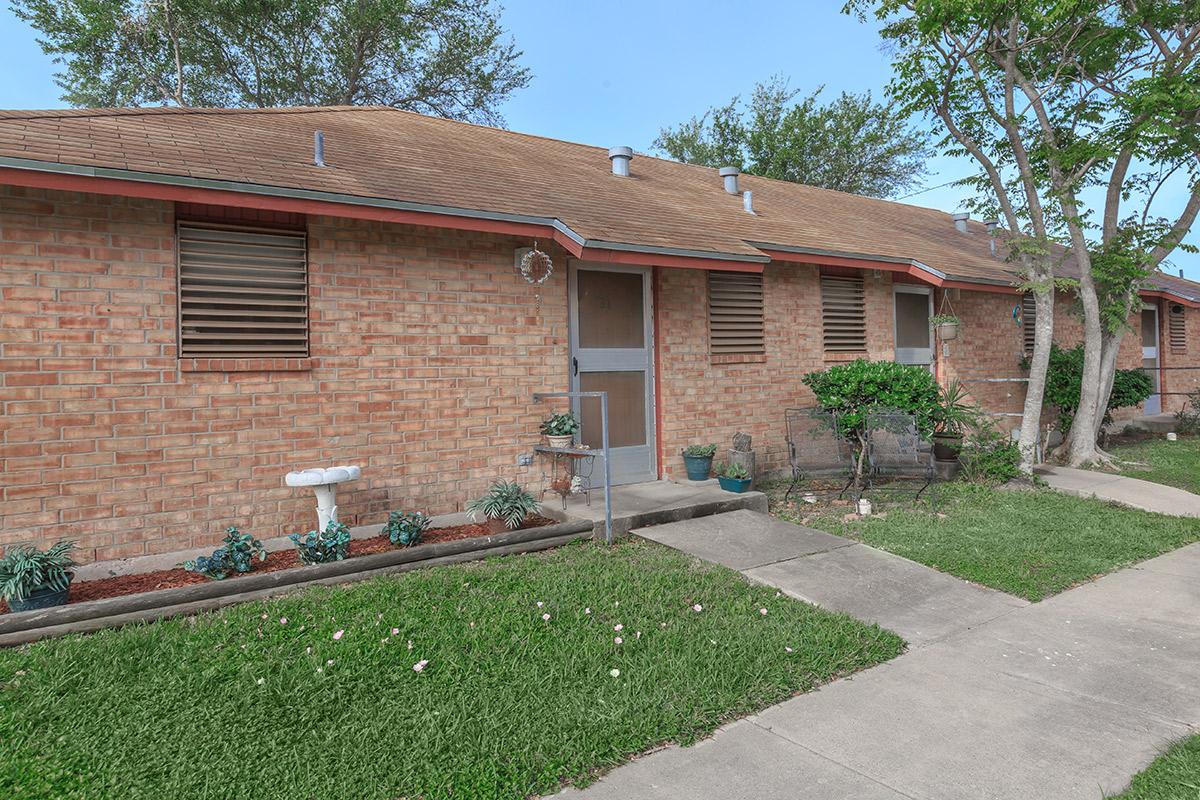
1043, 335
1110, 346
1081, 442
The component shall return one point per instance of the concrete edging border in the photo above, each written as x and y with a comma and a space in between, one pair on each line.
28, 626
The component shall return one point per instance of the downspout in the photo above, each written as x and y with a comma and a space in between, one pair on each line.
655, 296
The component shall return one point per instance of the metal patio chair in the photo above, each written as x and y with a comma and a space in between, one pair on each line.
816, 449
898, 450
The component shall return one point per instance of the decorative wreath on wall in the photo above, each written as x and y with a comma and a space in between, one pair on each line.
536, 266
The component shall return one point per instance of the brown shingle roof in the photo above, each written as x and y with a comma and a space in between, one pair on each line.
385, 153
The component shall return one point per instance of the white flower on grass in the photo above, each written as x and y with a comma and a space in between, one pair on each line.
618, 627
587, 611
637, 635
617, 640
662, 624
329, 663
420, 665
395, 631
540, 604
320, 670
762, 611
410, 644
788, 649
616, 673
308, 650
338, 635
697, 608
264, 616
283, 620
261, 681
546, 617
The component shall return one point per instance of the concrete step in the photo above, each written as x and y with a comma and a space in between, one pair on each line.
639, 505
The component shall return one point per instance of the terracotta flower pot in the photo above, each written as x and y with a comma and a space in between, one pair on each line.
561, 441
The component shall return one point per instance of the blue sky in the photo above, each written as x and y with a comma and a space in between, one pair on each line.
615, 73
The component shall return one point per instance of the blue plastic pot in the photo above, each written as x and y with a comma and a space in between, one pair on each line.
738, 485
698, 467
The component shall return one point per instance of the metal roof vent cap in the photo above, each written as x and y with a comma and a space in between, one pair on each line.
960, 221
748, 201
620, 158
730, 176
318, 148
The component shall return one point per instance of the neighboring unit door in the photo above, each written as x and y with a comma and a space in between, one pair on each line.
612, 350
1150, 363
914, 335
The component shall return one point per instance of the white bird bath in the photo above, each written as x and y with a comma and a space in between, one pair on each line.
324, 482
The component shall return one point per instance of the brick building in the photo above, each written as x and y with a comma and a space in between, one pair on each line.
191, 307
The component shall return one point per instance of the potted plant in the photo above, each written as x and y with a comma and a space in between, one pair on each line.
733, 477
946, 326
698, 459
32, 578
560, 429
504, 507
951, 417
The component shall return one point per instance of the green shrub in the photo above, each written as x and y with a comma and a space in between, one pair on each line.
506, 500
1065, 377
24, 570
700, 450
1187, 419
855, 389
990, 456
236, 554
317, 547
406, 529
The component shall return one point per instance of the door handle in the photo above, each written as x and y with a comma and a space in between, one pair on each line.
575, 366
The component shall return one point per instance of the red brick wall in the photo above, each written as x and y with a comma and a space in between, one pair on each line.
703, 400
425, 345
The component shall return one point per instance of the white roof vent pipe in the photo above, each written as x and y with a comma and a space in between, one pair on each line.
960, 221
620, 158
748, 201
318, 149
992, 224
730, 176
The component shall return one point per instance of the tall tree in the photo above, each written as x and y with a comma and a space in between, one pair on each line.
1077, 113
852, 144
445, 57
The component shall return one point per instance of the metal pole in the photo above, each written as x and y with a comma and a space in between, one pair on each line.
608, 533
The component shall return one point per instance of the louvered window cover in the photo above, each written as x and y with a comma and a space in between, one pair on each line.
1177, 328
1028, 322
844, 314
243, 292
735, 313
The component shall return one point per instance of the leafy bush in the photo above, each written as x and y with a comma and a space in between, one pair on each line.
1065, 377
1187, 419
506, 500
560, 425
734, 470
700, 450
24, 570
316, 547
236, 554
406, 529
990, 456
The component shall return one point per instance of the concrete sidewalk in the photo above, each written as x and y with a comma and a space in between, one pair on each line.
996, 698
1122, 490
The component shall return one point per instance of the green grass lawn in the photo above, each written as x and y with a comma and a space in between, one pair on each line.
1175, 775
238, 704
1171, 463
1028, 543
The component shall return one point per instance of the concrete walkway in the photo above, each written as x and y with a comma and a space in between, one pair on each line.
1119, 489
995, 698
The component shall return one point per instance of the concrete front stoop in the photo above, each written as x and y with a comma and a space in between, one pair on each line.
639, 505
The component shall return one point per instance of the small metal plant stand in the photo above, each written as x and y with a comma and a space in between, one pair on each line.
572, 465
576, 452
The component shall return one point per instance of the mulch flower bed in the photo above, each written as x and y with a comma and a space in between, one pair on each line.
121, 585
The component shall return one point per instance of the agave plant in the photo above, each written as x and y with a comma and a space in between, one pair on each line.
25, 570
507, 501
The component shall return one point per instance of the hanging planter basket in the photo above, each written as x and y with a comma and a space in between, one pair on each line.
947, 331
